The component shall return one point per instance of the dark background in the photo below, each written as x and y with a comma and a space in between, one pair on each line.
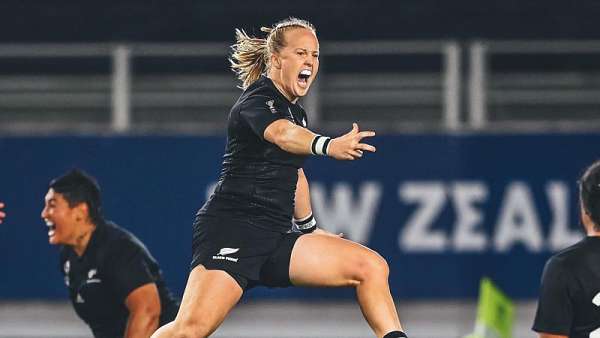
185, 20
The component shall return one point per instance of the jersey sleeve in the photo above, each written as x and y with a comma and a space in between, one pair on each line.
555, 305
127, 268
260, 111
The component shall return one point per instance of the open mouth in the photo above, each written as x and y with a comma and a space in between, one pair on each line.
303, 77
51, 228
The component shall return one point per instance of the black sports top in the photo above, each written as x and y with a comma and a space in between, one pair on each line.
258, 179
114, 264
569, 301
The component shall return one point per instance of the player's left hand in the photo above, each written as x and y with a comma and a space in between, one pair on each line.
319, 231
349, 146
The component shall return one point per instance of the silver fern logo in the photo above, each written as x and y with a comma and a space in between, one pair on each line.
271, 105
223, 254
228, 251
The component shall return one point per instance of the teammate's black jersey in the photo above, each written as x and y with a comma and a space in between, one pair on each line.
258, 179
113, 265
569, 301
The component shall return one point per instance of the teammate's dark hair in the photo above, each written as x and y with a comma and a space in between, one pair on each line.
78, 187
589, 193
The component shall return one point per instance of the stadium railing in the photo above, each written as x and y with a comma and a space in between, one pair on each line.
188, 87
534, 85
393, 86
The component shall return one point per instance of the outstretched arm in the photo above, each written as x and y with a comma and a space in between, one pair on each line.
298, 140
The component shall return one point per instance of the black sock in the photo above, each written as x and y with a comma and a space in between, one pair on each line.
396, 334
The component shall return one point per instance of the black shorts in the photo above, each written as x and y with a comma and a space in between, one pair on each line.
252, 256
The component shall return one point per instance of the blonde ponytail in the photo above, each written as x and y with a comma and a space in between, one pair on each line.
249, 57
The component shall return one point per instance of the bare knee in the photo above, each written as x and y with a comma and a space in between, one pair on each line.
372, 267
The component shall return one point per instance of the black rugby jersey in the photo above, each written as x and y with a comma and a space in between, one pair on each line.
569, 302
114, 264
258, 179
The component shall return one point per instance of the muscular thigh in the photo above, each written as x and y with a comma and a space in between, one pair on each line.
321, 260
209, 296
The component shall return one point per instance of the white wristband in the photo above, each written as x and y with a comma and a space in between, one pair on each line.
320, 145
307, 224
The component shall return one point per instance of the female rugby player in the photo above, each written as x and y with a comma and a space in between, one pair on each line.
241, 235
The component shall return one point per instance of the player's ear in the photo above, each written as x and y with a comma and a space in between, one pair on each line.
81, 211
275, 61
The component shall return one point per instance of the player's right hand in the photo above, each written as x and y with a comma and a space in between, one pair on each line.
349, 146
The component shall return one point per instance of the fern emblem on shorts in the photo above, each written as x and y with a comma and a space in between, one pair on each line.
228, 251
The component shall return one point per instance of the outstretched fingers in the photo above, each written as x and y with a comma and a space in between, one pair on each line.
355, 154
360, 147
349, 146
367, 133
366, 147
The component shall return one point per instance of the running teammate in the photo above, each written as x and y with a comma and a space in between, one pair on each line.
241, 235
114, 284
569, 303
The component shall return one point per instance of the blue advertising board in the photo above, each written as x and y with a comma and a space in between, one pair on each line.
444, 210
